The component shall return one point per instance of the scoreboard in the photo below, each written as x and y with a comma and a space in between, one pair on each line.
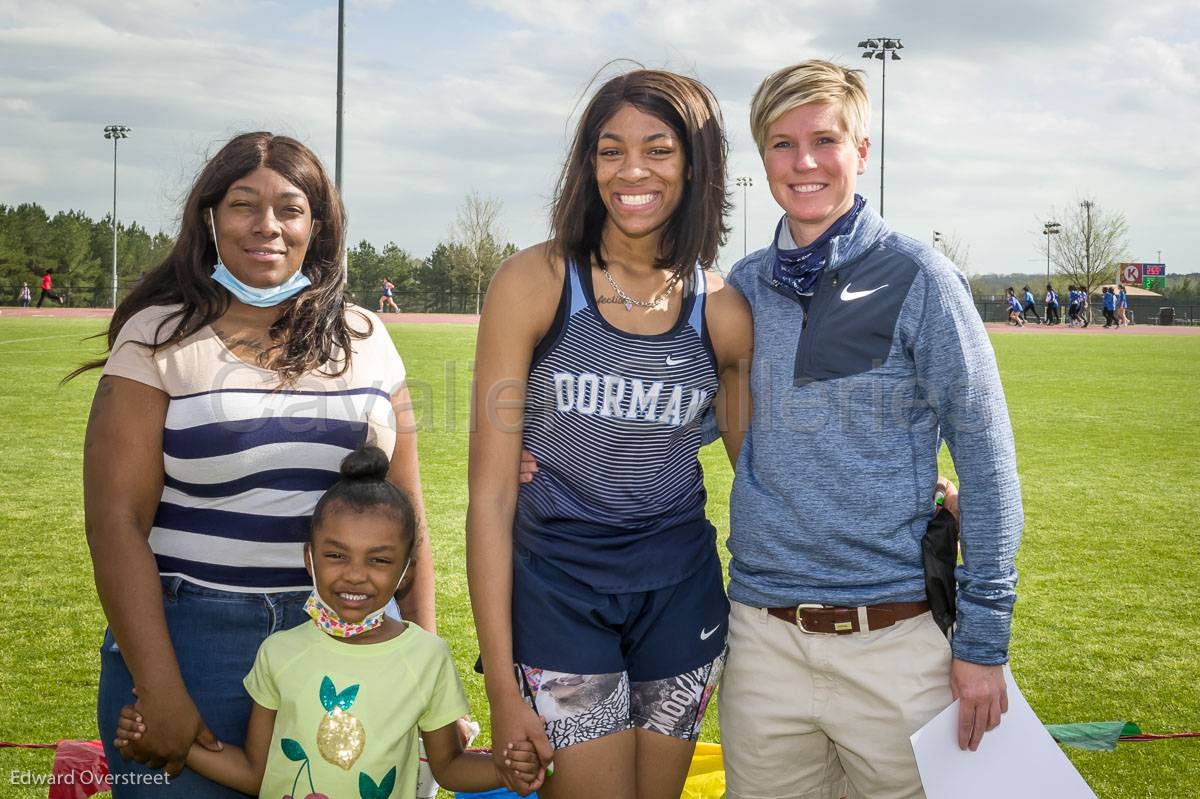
1152, 277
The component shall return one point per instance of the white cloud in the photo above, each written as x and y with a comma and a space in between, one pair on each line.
996, 113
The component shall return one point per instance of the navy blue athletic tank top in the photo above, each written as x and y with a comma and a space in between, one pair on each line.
613, 419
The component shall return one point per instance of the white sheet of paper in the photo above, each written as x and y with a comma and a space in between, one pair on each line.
1017, 760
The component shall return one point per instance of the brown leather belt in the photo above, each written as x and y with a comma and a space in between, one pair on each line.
844, 621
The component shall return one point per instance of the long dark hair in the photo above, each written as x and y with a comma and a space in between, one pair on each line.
313, 324
697, 227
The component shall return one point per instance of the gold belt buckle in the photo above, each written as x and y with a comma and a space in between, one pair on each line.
800, 617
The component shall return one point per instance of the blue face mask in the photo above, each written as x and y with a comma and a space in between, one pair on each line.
252, 295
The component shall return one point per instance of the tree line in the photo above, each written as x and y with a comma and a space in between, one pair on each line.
78, 251
454, 276
451, 279
75, 247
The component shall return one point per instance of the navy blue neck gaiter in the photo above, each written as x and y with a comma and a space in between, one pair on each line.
799, 268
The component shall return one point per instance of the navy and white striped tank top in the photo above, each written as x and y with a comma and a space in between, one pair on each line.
244, 461
613, 419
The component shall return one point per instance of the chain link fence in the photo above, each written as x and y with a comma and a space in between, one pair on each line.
461, 302
73, 296
991, 307
457, 302
1145, 310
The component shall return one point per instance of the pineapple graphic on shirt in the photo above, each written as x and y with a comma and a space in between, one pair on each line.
341, 737
340, 740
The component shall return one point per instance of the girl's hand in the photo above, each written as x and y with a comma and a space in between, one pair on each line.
514, 721
950, 491
467, 730
129, 727
171, 724
520, 757
528, 467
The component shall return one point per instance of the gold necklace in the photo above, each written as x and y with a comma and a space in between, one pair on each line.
630, 301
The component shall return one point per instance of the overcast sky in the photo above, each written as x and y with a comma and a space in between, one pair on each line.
998, 112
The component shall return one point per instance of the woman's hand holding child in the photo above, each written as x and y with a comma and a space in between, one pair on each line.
451, 765
168, 745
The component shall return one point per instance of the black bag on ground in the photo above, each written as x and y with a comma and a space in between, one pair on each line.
939, 549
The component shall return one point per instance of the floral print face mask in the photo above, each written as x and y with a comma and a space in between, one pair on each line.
328, 619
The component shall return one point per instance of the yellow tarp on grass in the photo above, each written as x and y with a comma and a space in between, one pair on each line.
706, 775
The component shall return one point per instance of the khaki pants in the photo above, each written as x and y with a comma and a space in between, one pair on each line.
821, 716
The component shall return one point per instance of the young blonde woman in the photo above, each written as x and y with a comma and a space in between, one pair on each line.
868, 354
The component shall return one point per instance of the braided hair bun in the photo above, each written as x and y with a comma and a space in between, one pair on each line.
365, 463
364, 487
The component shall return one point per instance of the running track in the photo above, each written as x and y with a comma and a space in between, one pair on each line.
104, 313
472, 319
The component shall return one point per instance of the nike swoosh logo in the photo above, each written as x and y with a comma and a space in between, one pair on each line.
672, 361
848, 295
706, 634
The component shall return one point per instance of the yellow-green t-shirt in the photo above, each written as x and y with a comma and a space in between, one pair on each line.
348, 715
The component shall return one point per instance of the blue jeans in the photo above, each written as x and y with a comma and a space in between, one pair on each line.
216, 635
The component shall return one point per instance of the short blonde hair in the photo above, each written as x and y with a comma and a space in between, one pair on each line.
806, 83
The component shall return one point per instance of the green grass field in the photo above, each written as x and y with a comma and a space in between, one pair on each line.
1107, 626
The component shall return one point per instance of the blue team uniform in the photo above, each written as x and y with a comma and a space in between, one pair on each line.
617, 506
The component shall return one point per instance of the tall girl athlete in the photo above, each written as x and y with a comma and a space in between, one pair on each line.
596, 588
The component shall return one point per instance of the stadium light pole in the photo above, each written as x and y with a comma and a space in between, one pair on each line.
115, 132
1049, 229
341, 48
1087, 205
337, 155
745, 183
879, 48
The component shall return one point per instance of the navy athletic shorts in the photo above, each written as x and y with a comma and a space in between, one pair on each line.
594, 663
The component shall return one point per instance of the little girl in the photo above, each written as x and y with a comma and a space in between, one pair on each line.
338, 703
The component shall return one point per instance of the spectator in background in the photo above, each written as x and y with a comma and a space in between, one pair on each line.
1029, 306
1014, 307
385, 298
1110, 307
47, 284
1122, 307
1052, 317
1078, 304
25, 296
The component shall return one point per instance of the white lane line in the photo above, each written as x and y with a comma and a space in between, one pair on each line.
42, 338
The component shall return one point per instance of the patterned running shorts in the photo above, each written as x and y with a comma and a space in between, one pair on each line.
583, 707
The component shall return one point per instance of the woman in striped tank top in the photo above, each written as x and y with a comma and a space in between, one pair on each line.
597, 590
228, 400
